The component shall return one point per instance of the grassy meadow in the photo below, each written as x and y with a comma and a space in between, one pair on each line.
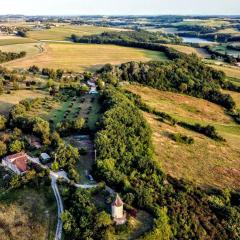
82, 57
8, 100
62, 33
28, 214
206, 162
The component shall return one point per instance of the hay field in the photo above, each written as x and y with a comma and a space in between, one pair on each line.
62, 33
9, 40
8, 100
200, 52
31, 49
206, 162
230, 71
81, 57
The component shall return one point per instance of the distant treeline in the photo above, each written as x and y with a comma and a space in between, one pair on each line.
9, 56
125, 37
185, 75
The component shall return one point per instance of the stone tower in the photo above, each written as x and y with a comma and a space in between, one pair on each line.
117, 211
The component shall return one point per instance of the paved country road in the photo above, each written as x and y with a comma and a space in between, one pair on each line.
54, 177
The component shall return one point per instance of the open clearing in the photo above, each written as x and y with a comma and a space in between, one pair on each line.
206, 162
64, 32
28, 214
81, 57
8, 100
200, 52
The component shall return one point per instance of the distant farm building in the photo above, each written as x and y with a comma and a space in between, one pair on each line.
16, 162
118, 214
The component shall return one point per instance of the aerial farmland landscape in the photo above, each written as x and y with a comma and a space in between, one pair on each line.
120, 120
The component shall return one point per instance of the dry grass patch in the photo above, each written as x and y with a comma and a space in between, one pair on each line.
200, 52
230, 71
8, 100
28, 215
206, 162
179, 105
81, 57
30, 48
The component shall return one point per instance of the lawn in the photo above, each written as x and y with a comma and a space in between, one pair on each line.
206, 162
28, 214
189, 50
8, 100
82, 57
62, 33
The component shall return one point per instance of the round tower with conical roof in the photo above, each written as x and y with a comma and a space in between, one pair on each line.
117, 207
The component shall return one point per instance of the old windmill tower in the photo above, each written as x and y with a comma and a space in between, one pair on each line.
118, 214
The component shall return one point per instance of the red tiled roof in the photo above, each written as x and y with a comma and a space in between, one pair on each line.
19, 160
118, 201
21, 164
15, 156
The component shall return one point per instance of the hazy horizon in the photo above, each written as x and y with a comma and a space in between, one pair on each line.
112, 7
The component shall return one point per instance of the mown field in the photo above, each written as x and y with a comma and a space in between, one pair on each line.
189, 50
81, 57
206, 162
8, 100
31, 49
63, 33
230, 71
10, 40
28, 214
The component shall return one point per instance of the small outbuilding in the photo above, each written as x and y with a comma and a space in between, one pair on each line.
45, 158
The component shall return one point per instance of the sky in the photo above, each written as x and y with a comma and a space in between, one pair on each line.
120, 7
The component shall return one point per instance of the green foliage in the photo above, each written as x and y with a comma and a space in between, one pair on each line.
3, 122
128, 37
184, 74
3, 149
125, 161
178, 137
9, 56
162, 229
16, 146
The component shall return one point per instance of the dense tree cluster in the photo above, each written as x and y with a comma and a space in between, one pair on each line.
140, 36
82, 220
9, 56
185, 75
125, 161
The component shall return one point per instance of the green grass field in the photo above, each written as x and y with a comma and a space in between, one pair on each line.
82, 57
62, 33
206, 162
